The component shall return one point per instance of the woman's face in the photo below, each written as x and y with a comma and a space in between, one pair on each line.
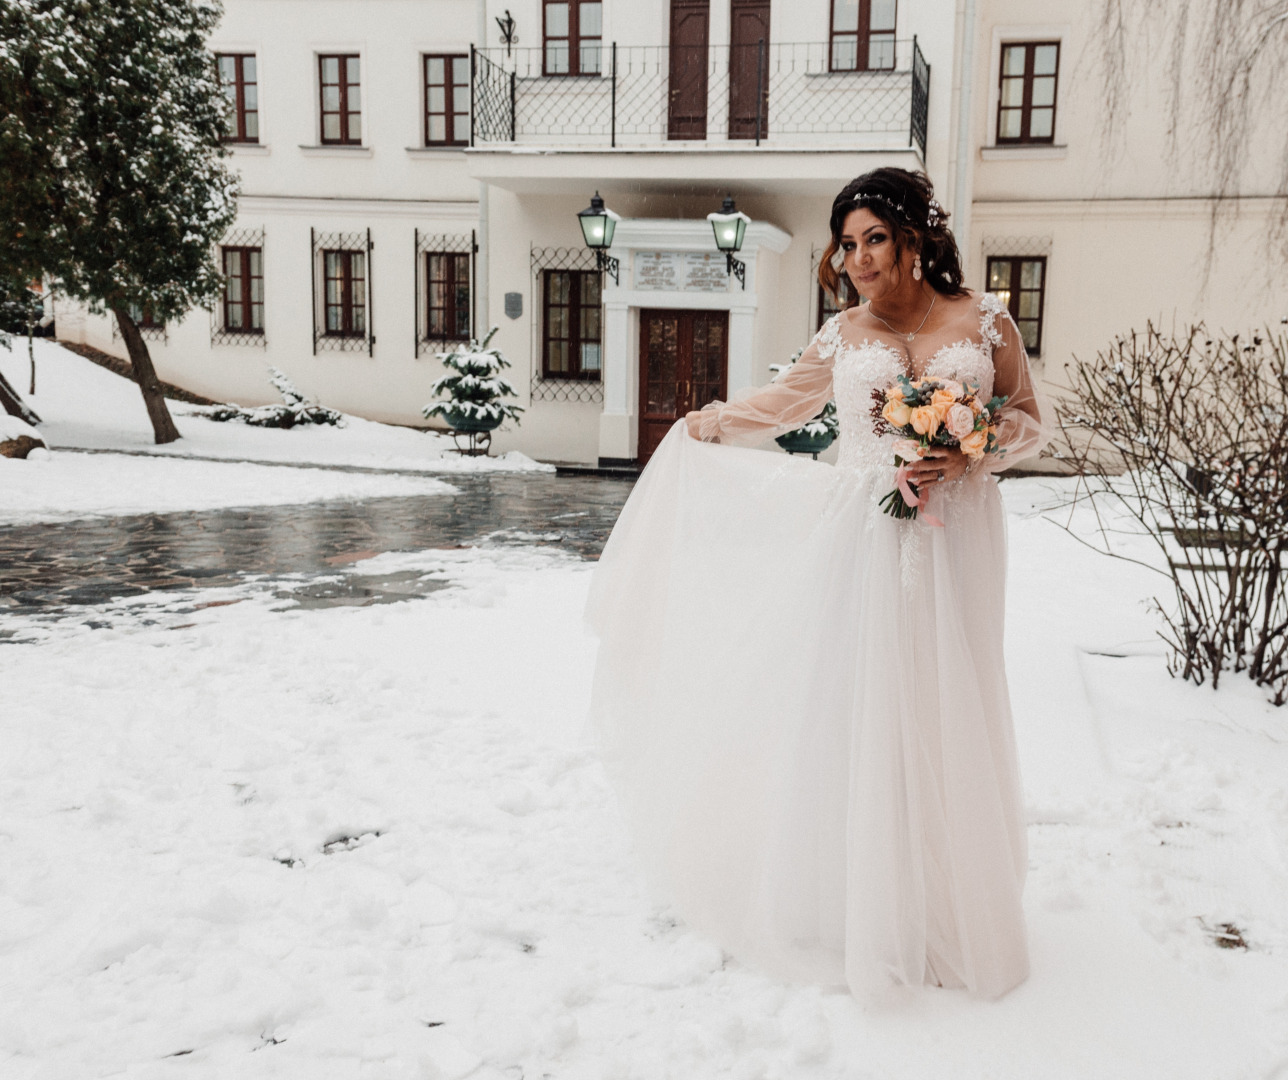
868, 248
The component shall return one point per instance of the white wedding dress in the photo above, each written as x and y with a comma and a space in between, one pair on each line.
802, 701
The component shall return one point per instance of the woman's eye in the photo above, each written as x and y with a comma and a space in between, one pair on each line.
847, 246
876, 238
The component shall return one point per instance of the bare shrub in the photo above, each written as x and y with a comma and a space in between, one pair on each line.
1189, 433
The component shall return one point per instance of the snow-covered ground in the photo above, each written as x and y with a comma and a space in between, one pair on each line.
240, 841
83, 405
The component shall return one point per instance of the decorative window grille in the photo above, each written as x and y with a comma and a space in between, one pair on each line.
1026, 99
238, 316
863, 35
340, 84
149, 328
445, 265
1020, 283
240, 83
342, 301
555, 387
573, 37
447, 100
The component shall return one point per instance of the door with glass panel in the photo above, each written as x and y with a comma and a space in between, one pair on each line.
684, 363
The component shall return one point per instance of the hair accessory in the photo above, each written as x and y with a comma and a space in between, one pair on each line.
935, 214
876, 196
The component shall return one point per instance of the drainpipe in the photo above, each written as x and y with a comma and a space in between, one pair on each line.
481, 258
961, 190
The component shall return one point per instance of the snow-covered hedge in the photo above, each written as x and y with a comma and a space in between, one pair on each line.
295, 410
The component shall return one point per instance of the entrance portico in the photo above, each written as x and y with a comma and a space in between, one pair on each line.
673, 264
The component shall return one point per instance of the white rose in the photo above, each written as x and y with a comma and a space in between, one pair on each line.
960, 421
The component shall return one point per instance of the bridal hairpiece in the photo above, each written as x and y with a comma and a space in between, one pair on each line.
934, 214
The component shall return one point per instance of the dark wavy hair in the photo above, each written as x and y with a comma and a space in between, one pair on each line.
901, 199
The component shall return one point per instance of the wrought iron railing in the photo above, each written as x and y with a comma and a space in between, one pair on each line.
779, 93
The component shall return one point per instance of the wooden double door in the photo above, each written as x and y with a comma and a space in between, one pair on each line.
690, 70
684, 363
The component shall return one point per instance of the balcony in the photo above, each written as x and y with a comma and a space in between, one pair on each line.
775, 96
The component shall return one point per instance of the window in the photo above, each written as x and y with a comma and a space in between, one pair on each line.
344, 276
1026, 104
827, 307
571, 347
447, 100
1020, 283
143, 317
341, 99
573, 34
244, 290
241, 90
863, 35
447, 275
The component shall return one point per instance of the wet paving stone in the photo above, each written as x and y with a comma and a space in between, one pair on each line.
54, 567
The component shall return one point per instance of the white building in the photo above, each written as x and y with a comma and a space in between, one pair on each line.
410, 178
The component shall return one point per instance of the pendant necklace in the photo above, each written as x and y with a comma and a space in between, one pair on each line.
914, 333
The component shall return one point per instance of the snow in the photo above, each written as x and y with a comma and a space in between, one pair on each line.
13, 428
66, 485
285, 842
86, 406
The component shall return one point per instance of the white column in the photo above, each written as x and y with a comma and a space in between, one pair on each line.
617, 432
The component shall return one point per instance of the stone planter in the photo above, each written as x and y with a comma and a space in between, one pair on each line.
800, 442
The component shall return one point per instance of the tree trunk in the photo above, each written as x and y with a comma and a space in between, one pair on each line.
31, 352
14, 405
146, 376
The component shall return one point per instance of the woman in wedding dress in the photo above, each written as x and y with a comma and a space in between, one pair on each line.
801, 700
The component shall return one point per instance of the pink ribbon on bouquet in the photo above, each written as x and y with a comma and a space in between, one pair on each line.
911, 497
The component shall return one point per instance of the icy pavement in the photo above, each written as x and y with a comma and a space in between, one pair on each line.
50, 567
243, 841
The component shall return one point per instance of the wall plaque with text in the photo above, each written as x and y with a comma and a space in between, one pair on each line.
680, 271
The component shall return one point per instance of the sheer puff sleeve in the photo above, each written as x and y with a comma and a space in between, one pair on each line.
792, 399
1023, 423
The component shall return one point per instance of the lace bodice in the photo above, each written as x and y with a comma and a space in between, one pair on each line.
848, 363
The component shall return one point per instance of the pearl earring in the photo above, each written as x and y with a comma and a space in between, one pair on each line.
916, 269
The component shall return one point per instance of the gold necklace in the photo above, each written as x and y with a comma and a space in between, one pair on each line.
908, 337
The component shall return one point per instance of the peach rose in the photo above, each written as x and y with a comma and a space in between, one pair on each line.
960, 421
907, 449
896, 412
955, 388
925, 419
973, 444
976, 406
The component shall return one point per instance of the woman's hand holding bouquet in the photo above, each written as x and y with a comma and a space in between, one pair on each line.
929, 414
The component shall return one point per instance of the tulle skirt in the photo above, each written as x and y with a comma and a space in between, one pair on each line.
802, 703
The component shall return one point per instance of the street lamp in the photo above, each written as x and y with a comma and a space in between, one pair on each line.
730, 227
597, 226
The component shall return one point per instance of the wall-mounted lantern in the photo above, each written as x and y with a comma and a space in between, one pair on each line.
597, 226
730, 227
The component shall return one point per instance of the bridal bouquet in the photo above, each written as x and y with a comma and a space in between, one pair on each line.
931, 412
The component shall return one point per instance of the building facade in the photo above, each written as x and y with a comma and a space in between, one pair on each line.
413, 171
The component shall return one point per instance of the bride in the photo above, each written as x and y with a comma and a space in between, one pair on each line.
801, 700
